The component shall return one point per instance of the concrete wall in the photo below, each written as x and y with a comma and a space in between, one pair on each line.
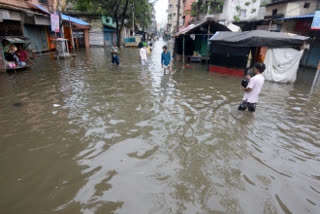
186, 11
247, 12
288, 26
292, 8
172, 15
96, 37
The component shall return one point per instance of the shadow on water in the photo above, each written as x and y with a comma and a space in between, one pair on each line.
89, 137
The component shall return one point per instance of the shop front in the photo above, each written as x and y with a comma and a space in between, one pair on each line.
76, 31
36, 29
10, 23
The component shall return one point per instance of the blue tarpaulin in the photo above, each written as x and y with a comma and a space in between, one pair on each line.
73, 19
41, 8
63, 16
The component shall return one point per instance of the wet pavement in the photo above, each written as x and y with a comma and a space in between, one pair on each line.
84, 136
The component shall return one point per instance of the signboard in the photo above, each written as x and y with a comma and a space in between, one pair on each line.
316, 21
78, 34
54, 23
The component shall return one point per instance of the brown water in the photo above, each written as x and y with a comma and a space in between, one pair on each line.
83, 136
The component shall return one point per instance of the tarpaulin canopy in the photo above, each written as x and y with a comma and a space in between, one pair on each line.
16, 39
257, 38
74, 20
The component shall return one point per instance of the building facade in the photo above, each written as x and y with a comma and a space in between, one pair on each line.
173, 16
296, 17
31, 19
187, 9
224, 12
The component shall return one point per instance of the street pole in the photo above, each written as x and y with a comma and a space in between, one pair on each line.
133, 34
71, 32
183, 46
178, 16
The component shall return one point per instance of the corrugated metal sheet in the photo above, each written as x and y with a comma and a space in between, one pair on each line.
37, 36
13, 39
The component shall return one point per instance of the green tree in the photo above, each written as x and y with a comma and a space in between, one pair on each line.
119, 10
143, 12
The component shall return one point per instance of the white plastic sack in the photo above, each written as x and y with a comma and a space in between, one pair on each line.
282, 64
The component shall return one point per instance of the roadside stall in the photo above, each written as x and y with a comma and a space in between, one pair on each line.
8, 53
233, 52
192, 42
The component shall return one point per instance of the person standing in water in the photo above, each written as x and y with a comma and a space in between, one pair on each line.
114, 54
166, 59
143, 54
252, 91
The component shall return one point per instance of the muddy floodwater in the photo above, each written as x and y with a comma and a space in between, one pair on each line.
81, 136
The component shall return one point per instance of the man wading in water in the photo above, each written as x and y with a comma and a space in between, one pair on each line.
114, 54
166, 59
252, 91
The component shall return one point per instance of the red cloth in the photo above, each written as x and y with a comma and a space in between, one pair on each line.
22, 55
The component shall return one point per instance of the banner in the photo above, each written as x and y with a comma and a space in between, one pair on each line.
55, 23
316, 21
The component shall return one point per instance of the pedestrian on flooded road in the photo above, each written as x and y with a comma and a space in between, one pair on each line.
143, 54
166, 59
252, 91
115, 54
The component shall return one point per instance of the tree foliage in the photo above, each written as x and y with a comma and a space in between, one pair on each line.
201, 7
119, 10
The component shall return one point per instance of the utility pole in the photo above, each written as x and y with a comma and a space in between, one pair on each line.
133, 34
178, 16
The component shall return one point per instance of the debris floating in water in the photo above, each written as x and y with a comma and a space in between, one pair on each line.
17, 104
56, 105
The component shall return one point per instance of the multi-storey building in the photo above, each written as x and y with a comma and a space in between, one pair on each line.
295, 16
187, 9
173, 16
229, 11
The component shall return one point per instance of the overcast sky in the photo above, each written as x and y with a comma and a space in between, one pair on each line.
161, 15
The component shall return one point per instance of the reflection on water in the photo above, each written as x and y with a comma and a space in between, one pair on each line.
83, 136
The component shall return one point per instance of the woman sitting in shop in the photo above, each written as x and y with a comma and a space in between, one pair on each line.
23, 56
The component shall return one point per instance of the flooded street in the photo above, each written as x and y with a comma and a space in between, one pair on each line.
84, 136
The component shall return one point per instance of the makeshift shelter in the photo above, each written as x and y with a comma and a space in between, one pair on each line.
233, 52
7, 62
193, 41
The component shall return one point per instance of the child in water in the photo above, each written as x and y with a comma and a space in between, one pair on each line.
166, 59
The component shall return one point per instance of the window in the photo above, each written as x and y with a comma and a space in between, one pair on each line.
243, 13
44, 2
306, 5
274, 12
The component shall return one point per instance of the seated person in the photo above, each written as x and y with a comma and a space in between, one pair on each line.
23, 56
11, 54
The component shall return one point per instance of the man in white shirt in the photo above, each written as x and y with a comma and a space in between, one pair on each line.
252, 91
143, 54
